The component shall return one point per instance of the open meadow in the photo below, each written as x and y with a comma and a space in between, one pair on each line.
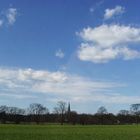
69, 132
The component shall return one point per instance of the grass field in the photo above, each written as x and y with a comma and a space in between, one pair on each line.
56, 132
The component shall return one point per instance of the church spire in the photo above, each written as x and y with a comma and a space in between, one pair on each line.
69, 110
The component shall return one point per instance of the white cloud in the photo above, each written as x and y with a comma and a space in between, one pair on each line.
96, 54
23, 83
109, 13
8, 17
52, 82
59, 53
129, 54
111, 35
11, 15
107, 42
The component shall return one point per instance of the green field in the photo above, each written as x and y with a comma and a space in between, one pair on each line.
57, 132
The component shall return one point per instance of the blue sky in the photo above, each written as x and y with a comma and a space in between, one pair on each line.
85, 52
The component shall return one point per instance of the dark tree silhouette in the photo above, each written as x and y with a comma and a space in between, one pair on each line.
135, 109
60, 109
123, 112
102, 110
37, 109
37, 113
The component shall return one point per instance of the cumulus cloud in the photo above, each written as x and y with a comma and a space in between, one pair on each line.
107, 42
59, 53
111, 35
11, 15
23, 83
96, 54
109, 13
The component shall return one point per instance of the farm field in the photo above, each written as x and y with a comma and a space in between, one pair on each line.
69, 132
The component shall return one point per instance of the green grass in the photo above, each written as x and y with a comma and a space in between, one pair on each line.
57, 132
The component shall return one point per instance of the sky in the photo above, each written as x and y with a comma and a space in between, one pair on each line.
85, 52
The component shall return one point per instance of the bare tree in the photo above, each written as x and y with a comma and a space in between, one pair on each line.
135, 110
12, 110
3, 108
37, 109
60, 109
15, 111
102, 110
123, 112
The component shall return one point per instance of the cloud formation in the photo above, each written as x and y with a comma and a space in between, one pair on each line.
58, 84
107, 42
8, 17
59, 53
11, 15
109, 13
23, 83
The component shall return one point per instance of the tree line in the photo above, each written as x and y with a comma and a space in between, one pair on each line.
62, 113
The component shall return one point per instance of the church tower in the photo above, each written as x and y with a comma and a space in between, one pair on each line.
68, 112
